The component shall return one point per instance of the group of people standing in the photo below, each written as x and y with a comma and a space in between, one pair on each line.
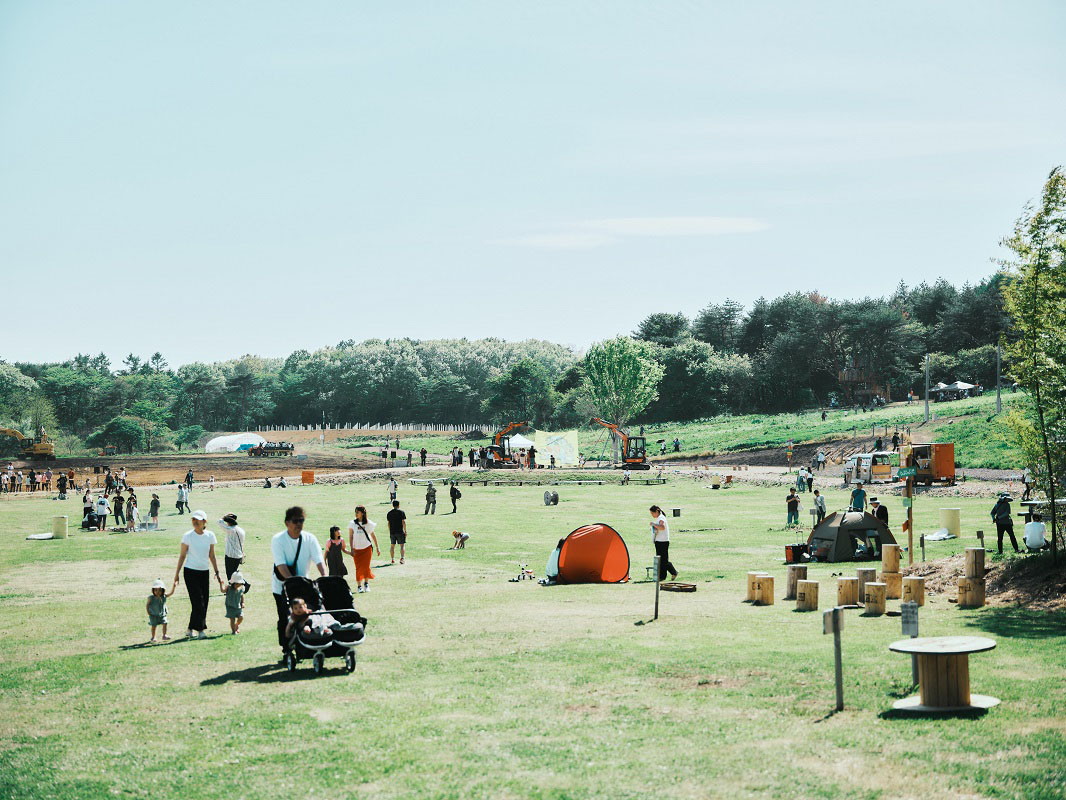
13, 481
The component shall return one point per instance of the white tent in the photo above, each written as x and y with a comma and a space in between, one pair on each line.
233, 442
518, 441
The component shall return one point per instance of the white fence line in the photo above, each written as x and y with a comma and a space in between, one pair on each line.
370, 427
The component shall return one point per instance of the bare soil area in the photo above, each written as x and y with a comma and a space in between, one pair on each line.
1031, 581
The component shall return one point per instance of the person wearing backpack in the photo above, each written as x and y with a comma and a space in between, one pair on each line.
294, 550
455, 495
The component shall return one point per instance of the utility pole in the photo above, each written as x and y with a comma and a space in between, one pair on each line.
999, 400
926, 387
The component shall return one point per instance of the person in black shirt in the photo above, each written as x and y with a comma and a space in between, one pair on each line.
397, 531
1004, 522
423, 452
879, 510
454, 494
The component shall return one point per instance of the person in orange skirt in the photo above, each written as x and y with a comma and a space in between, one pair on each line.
361, 541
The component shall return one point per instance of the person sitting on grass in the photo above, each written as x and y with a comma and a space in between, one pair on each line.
460, 540
157, 607
267, 484
281, 482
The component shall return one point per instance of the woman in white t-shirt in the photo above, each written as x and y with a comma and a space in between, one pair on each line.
198, 556
660, 534
362, 542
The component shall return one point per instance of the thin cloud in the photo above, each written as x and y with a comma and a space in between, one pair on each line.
601, 232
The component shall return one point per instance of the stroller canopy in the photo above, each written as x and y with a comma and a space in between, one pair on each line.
591, 554
849, 536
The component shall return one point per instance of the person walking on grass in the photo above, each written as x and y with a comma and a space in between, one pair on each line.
819, 506
431, 500
157, 607
660, 535
293, 551
858, 498
119, 509
361, 543
454, 494
810, 480
103, 508
153, 510
236, 589
234, 555
196, 562
792, 504
1004, 523
392, 488
335, 551
397, 531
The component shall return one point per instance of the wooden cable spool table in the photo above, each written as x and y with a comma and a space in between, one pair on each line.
944, 674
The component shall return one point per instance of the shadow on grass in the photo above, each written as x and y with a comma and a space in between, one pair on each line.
168, 643
1020, 623
269, 673
895, 713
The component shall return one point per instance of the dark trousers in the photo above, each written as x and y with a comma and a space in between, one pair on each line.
120, 518
283, 620
453, 505
810, 484
662, 550
1005, 526
197, 583
232, 565
423, 460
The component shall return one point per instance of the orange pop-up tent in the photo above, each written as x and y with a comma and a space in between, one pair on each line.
591, 554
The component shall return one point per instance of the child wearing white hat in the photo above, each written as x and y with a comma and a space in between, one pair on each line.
157, 607
235, 592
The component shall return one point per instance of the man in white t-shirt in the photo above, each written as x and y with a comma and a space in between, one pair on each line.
103, 508
294, 551
1034, 534
660, 530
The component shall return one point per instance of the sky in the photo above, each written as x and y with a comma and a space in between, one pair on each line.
211, 179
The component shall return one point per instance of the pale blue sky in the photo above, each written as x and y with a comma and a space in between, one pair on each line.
209, 179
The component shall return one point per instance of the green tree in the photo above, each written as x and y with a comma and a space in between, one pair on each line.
523, 393
621, 378
189, 435
1036, 300
719, 325
125, 433
664, 329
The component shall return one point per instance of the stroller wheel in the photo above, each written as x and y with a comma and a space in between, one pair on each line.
290, 661
317, 662
349, 661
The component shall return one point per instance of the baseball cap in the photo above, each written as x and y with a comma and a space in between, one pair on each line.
198, 514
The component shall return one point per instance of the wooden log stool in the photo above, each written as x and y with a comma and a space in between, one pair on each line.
893, 582
796, 573
807, 595
890, 558
914, 590
975, 562
764, 590
847, 591
971, 592
874, 599
753, 577
944, 674
865, 575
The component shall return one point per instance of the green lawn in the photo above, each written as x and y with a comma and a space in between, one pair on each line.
470, 686
983, 438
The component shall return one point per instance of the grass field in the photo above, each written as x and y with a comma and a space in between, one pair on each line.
983, 438
470, 686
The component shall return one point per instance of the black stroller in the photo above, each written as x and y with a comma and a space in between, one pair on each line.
325, 596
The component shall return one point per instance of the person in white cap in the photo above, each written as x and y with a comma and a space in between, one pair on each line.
198, 556
157, 607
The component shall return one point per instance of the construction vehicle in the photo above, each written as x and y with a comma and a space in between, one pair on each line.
498, 455
880, 466
934, 462
39, 448
633, 448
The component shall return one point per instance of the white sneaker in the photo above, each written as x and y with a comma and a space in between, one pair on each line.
359, 590
366, 588
203, 635
189, 633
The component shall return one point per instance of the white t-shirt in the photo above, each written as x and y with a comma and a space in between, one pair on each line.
361, 539
1034, 534
199, 546
664, 534
234, 540
283, 548
102, 506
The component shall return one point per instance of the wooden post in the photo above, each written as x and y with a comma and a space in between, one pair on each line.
981, 538
865, 575
807, 595
910, 523
874, 599
893, 582
656, 588
847, 591
971, 592
751, 595
832, 622
796, 573
922, 539
890, 558
764, 590
914, 590
975, 562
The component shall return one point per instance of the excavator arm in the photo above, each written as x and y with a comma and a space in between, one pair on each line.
10, 432
498, 438
617, 431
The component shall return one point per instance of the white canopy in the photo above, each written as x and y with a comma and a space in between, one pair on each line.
960, 386
518, 441
233, 442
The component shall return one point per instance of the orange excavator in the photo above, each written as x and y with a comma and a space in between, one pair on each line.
498, 455
633, 448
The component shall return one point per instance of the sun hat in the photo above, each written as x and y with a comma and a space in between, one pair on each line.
200, 514
236, 577
230, 519
875, 500
159, 584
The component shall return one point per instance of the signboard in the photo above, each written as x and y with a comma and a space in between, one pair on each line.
908, 502
907, 472
910, 618
832, 621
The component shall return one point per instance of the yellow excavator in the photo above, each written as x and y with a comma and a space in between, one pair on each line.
39, 448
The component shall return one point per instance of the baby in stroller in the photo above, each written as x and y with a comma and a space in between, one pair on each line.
323, 622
